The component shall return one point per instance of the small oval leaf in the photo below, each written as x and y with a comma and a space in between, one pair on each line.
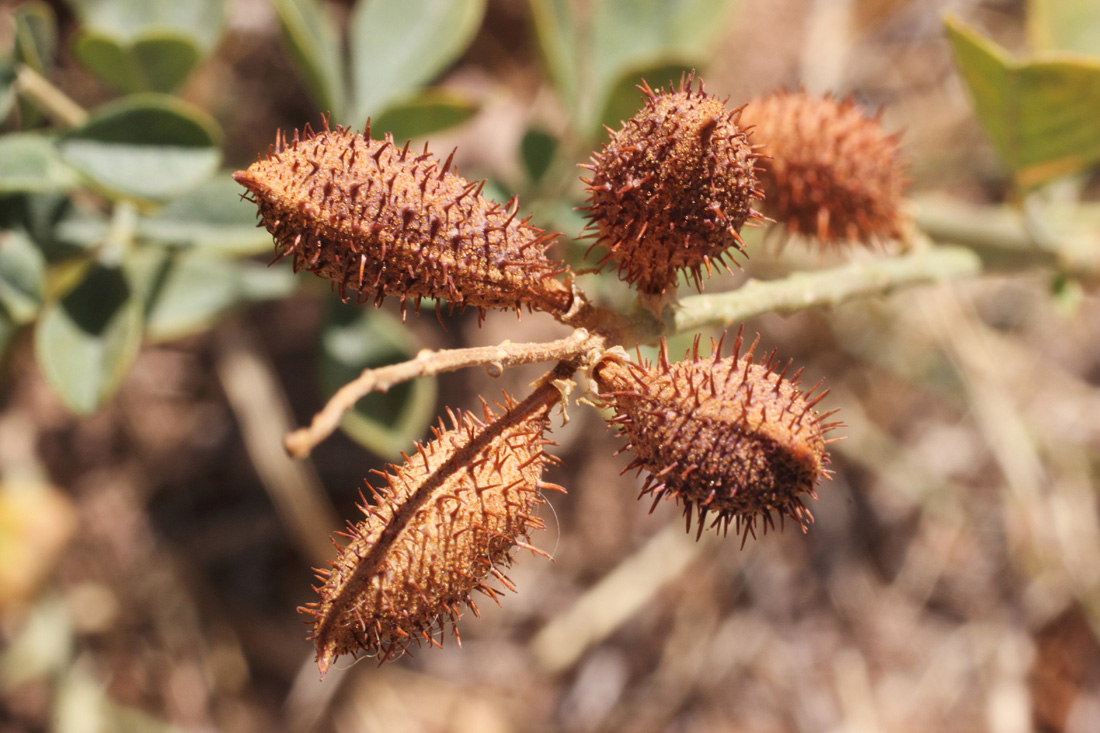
22, 276
428, 112
397, 45
147, 146
313, 42
211, 217
29, 162
86, 342
537, 149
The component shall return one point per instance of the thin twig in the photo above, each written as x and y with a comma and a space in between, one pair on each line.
598, 328
428, 363
57, 105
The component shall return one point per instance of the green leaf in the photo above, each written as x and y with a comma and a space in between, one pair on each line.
49, 219
30, 162
145, 146
625, 99
636, 34
430, 111
537, 149
211, 217
202, 21
314, 44
22, 276
1064, 25
355, 339
157, 61
398, 45
86, 342
559, 39
35, 35
7, 86
1040, 114
186, 292
146, 45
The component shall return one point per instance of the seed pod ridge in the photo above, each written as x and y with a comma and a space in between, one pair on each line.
438, 527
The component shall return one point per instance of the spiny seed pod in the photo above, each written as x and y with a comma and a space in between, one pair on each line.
671, 190
439, 525
830, 171
722, 435
383, 221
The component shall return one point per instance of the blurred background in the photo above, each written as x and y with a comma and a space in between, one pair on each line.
155, 541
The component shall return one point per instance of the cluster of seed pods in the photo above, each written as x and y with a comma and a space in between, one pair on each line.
736, 441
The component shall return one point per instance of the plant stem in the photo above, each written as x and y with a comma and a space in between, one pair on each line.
598, 328
829, 287
55, 103
427, 363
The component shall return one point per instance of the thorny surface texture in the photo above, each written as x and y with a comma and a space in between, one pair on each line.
384, 221
830, 171
722, 435
437, 527
671, 190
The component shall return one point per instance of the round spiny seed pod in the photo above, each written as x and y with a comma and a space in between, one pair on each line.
383, 221
722, 435
830, 171
439, 525
671, 190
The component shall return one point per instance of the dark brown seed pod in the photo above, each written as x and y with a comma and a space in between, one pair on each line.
722, 435
438, 526
382, 220
830, 171
671, 190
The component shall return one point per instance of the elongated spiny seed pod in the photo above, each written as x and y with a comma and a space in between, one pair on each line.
439, 525
381, 220
671, 190
722, 435
830, 171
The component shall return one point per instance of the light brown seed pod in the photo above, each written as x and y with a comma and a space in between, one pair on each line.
671, 190
830, 171
437, 527
723, 435
382, 220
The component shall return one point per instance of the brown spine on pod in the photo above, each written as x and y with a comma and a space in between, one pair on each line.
435, 529
381, 220
830, 171
723, 435
671, 190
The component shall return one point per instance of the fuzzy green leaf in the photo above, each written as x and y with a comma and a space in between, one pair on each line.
157, 61
129, 20
186, 292
29, 162
211, 217
430, 111
398, 45
86, 342
537, 150
145, 146
1040, 113
1064, 25
22, 276
314, 44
